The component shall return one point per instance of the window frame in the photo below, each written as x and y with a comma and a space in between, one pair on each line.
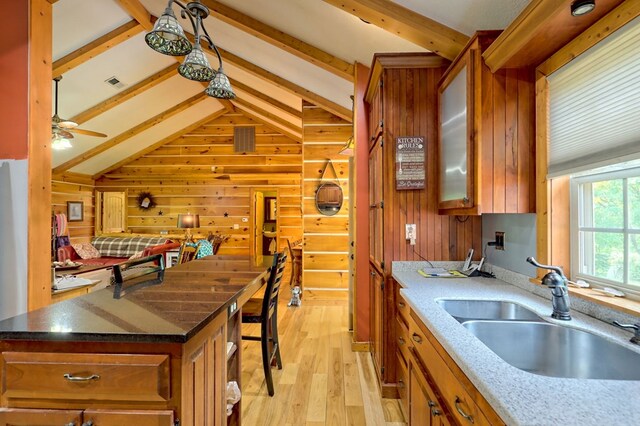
576, 203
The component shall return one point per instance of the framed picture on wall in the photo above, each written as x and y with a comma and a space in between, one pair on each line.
75, 211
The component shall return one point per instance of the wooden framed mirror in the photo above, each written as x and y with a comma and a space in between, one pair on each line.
329, 198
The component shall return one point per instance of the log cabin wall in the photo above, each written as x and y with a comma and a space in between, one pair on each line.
199, 172
75, 187
326, 238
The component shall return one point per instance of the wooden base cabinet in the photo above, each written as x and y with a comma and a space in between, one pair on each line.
439, 392
113, 384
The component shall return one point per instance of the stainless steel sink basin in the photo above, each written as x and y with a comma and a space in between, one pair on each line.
557, 351
464, 310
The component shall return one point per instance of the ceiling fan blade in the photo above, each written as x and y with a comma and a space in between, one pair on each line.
88, 132
67, 124
61, 132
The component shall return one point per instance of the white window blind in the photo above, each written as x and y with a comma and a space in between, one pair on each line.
594, 105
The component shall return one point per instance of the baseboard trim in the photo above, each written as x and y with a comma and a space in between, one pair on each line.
360, 346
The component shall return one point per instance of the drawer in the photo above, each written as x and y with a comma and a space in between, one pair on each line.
454, 395
401, 305
127, 417
70, 376
403, 384
402, 339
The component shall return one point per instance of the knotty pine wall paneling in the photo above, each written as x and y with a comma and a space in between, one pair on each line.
199, 172
409, 93
325, 263
75, 187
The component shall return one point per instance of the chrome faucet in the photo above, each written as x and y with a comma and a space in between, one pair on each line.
557, 282
636, 330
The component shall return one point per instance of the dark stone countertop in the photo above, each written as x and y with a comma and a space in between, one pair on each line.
191, 295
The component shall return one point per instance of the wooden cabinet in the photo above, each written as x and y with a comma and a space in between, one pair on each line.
114, 383
377, 326
486, 145
439, 392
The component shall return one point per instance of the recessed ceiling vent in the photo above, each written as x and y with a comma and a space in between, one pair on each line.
115, 82
244, 139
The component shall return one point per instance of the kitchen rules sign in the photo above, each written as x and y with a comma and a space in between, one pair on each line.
410, 162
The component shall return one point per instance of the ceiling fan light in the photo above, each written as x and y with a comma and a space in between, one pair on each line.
582, 7
60, 143
220, 87
167, 36
196, 66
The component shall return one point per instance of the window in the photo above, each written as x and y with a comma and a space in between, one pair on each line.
605, 228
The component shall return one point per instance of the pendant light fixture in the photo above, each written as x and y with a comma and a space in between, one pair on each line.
168, 38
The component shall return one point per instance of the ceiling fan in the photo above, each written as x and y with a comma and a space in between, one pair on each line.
62, 130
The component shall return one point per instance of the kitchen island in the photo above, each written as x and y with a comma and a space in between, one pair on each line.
518, 397
160, 355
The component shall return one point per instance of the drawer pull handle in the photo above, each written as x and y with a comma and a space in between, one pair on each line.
401, 384
72, 378
401, 305
89, 423
431, 404
401, 340
462, 413
435, 412
416, 338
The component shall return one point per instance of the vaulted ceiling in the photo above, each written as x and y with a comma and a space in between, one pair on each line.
277, 53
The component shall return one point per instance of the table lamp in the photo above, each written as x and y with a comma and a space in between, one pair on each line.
188, 221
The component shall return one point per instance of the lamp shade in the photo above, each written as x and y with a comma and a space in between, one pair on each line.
188, 221
220, 87
167, 36
196, 66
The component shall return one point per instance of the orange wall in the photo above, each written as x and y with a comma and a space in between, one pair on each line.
13, 84
361, 329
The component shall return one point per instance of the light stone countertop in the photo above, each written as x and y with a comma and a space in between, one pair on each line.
519, 397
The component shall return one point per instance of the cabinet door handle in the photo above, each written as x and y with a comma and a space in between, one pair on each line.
462, 413
401, 305
89, 423
72, 378
401, 340
401, 384
431, 403
416, 338
435, 412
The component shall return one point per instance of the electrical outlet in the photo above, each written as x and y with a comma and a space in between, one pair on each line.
410, 233
499, 240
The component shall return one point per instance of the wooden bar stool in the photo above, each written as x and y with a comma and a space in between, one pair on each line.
265, 312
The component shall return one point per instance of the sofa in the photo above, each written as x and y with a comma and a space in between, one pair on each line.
115, 250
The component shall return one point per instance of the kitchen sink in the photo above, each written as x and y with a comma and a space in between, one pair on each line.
464, 310
557, 351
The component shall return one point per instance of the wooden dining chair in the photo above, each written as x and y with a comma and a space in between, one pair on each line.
187, 252
265, 312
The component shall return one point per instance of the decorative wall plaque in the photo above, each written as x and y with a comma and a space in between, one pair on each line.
410, 162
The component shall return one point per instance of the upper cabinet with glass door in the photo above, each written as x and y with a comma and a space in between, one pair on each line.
486, 146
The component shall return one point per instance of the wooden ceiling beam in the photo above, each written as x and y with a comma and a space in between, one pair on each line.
260, 115
268, 99
137, 11
284, 41
407, 24
290, 87
164, 141
125, 95
273, 117
147, 124
96, 47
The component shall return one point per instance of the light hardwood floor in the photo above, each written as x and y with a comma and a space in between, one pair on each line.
322, 381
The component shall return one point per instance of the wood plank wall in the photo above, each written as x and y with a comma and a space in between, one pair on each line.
75, 187
410, 109
326, 238
200, 173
